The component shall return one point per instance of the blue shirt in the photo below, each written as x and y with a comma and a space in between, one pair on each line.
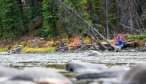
120, 42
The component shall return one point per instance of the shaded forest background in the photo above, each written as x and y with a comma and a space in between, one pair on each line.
49, 19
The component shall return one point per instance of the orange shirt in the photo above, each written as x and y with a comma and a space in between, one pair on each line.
122, 36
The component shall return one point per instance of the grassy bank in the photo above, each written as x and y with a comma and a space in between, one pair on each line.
41, 45
33, 50
39, 50
2, 50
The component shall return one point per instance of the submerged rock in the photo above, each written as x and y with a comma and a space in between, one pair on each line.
83, 67
41, 76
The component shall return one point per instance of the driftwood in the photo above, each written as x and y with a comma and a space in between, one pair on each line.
130, 44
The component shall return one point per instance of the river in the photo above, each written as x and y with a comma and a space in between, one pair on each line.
58, 60
44, 59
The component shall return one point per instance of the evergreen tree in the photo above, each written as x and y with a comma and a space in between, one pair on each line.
1, 28
50, 17
10, 18
17, 17
35, 8
95, 11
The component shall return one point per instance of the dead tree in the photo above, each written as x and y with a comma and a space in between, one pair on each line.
94, 32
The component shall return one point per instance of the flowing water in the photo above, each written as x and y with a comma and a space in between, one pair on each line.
58, 60
45, 59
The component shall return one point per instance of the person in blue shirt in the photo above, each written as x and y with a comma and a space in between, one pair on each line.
119, 42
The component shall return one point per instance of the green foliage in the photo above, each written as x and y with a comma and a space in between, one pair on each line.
35, 8
79, 6
136, 37
95, 11
10, 18
112, 15
143, 3
1, 28
17, 17
50, 18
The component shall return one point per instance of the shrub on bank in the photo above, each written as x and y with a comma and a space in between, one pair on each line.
136, 37
139, 39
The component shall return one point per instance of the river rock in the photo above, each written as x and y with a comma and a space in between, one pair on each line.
42, 76
8, 72
113, 72
137, 75
83, 67
92, 53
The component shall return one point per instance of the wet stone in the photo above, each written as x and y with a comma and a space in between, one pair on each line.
41, 75
83, 67
136, 75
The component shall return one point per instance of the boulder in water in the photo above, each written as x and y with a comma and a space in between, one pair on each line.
113, 72
41, 76
83, 67
8, 72
137, 75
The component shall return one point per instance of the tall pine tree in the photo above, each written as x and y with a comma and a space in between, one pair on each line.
1, 28
49, 8
10, 18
